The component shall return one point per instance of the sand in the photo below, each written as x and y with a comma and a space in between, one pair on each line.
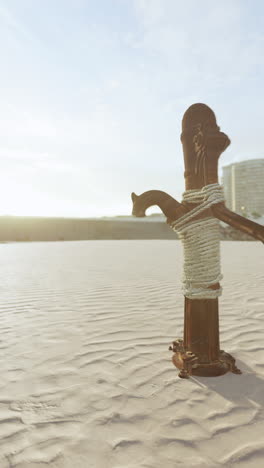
86, 375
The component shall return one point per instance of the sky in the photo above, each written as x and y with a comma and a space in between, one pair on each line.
92, 93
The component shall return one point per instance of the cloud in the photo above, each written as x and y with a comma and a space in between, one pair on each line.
197, 40
12, 27
91, 107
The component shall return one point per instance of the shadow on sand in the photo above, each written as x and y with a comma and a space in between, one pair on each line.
247, 386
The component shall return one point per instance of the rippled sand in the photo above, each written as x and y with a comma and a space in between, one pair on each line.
86, 375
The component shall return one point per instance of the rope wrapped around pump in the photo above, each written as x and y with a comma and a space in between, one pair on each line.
201, 243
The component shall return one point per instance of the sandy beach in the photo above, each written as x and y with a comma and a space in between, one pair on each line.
86, 375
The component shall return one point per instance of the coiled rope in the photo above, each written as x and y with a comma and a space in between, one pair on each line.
201, 243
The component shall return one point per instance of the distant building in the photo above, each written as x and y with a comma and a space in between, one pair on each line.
244, 186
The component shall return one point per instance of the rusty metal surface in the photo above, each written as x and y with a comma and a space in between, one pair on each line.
203, 143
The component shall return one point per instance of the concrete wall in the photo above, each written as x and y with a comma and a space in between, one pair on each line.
53, 229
